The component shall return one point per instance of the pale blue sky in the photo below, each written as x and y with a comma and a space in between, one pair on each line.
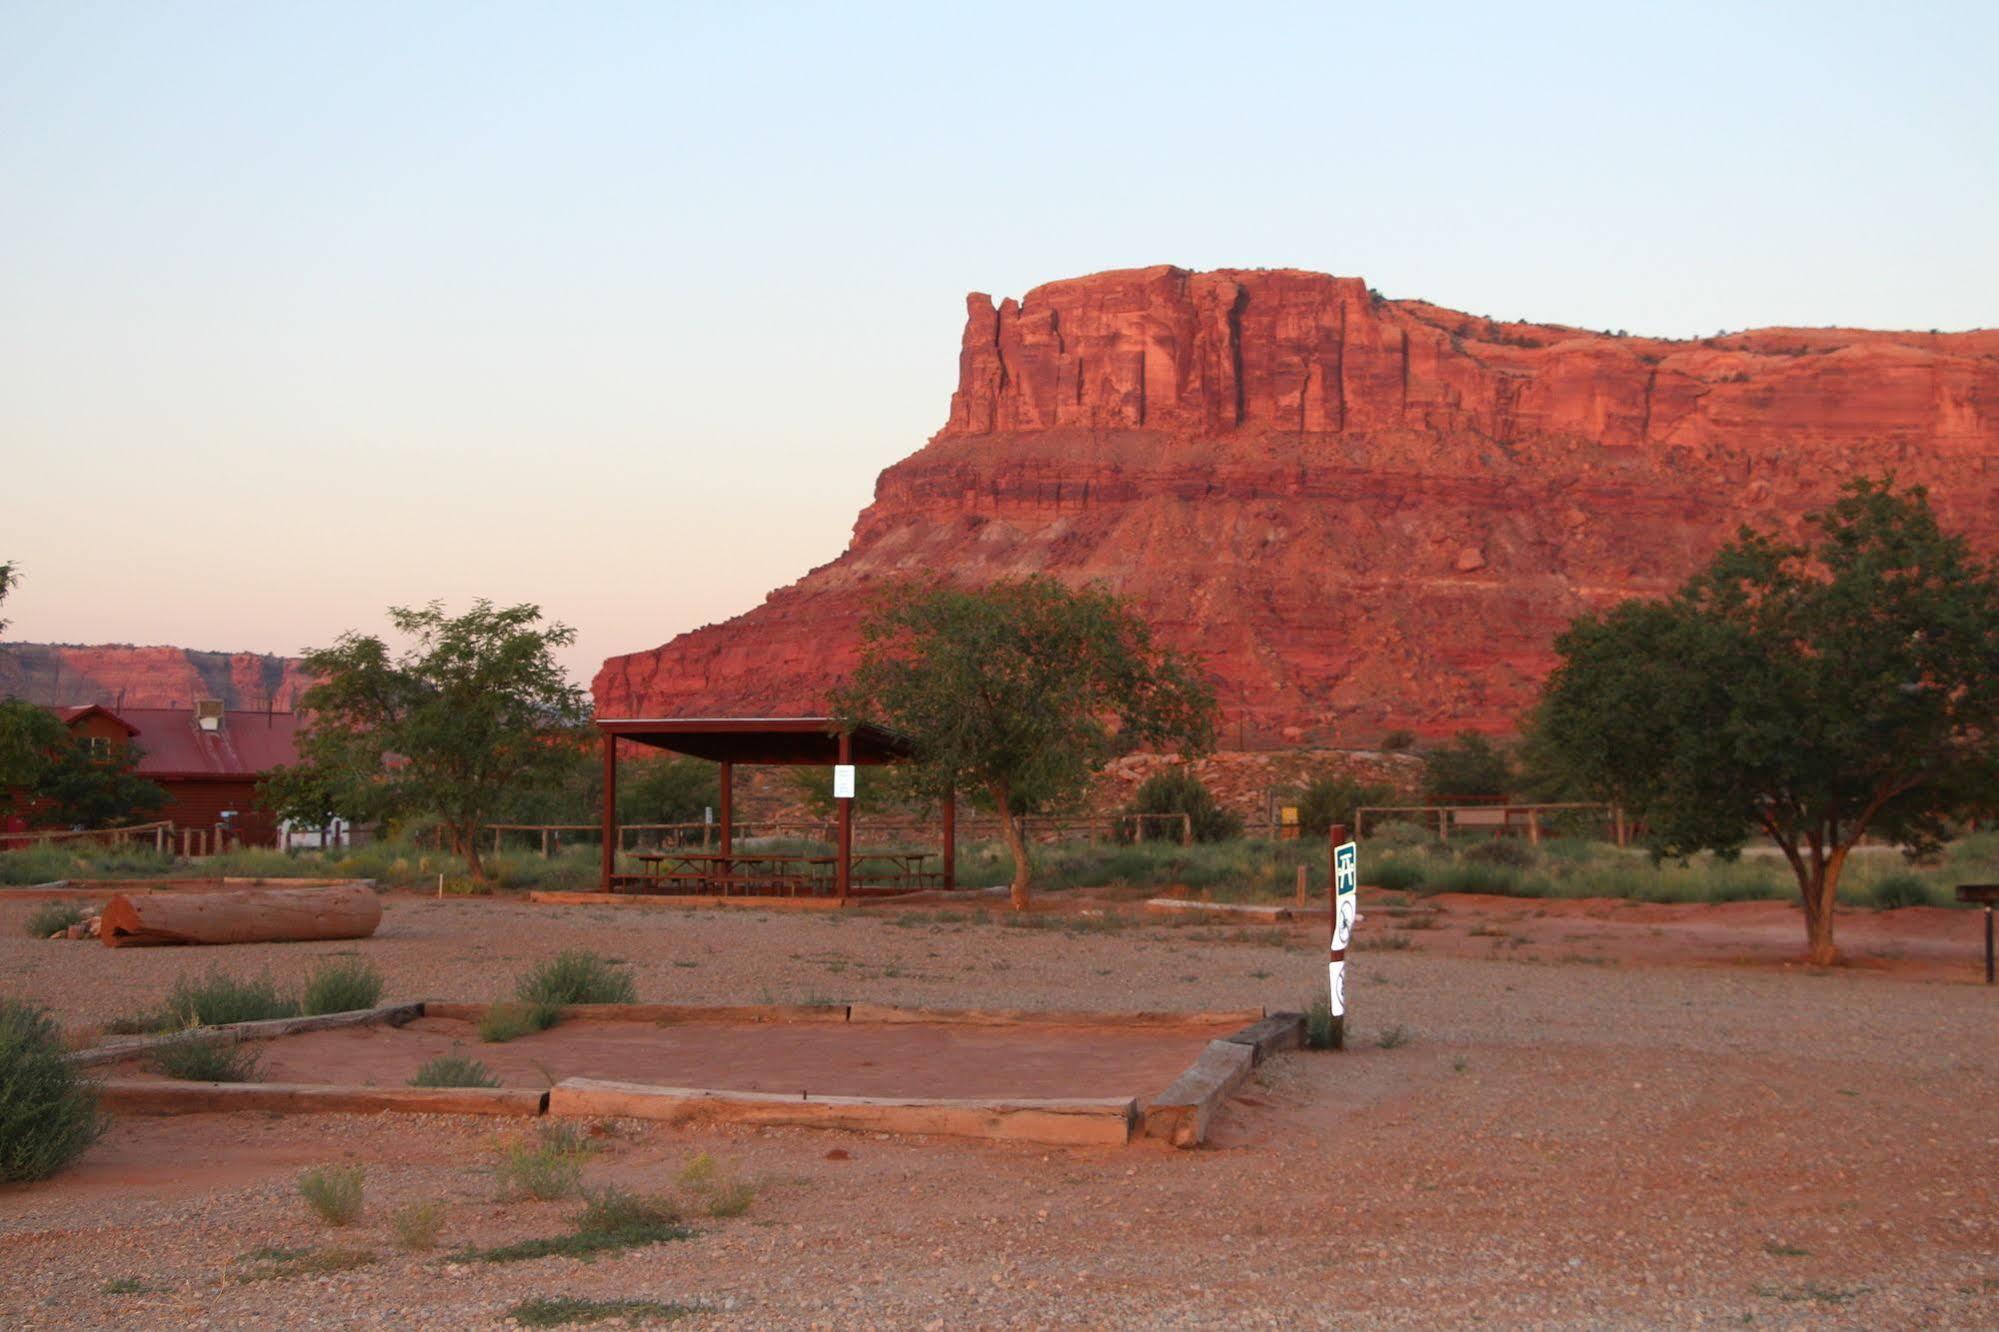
305, 310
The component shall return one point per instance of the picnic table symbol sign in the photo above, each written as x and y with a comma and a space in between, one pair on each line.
1346, 898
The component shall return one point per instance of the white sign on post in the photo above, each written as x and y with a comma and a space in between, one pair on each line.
1346, 899
843, 781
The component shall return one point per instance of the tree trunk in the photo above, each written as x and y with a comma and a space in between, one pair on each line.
468, 846
1016, 843
1819, 888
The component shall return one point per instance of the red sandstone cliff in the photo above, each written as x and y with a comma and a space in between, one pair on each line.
1363, 513
64, 674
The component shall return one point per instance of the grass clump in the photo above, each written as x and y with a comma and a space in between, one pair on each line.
52, 918
127, 1285
1900, 889
342, 985
612, 1210
48, 1114
192, 1060
1395, 875
566, 1311
731, 1200
454, 1071
549, 1167
215, 999
334, 1192
721, 1195
577, 977
1323, 1031
505, 1022
273, 1263
417, 1225
1393, 1038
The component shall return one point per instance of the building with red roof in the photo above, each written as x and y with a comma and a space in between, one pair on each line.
207, 758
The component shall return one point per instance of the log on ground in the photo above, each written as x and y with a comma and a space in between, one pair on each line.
242, 915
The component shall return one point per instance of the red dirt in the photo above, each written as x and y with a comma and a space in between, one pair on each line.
830, 1059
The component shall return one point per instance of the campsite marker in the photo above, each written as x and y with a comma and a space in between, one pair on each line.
1346, 897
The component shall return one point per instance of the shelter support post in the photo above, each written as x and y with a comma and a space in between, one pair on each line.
844, 870
610, 856
950, 840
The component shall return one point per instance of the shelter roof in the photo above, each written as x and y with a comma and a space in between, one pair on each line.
761, 740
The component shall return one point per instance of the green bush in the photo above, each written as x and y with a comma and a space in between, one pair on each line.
1179, 791
48, 1113
549, 1167
37, 864
1323, 1031
506, 1022
611, 1210
342, 985
417, 1225
215, 999
454, 1071
51, 918
1470, 767
193, 1060
334, 1193
1332, 798
1395, 875
1471, 876
576, 977
1900, 889
1502, 851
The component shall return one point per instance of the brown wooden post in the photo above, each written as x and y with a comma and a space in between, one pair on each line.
1443, 824
610, 856
728, 813
950, 840
844, 871
1534, 827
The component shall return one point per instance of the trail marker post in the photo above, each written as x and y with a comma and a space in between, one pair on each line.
1345, 901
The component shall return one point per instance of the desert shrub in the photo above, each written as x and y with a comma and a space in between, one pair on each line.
454, 1071
1397, 741
1472, 876
215, 999
566, 1310
731, 1200
37, 864
417, 1225
1395, 875
192, 1060
1400, 834
506, 1022
48, 1113
334, 1192
1502, 851
577, 977
1323, 1031
1332, 798
699, 1172
1393, 1038
1900, 889
51, 917
342, 985
551, 1166
1178, 791
611, 1210
1470, 766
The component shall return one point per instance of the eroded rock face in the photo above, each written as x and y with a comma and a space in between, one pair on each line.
66, 674
1364, 514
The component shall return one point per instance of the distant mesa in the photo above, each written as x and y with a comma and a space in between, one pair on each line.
120, 675
1365, 514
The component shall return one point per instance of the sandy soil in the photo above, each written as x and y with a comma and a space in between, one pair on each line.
899, 1059
1601, 1125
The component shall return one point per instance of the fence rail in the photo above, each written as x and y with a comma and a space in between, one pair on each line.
550, 836
1495, 820
157, 833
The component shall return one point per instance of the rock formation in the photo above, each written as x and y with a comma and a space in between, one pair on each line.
65, 674
1364, 514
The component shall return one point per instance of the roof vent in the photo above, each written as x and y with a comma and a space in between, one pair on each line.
208, 713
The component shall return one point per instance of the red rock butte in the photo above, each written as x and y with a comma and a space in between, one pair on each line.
1363, 514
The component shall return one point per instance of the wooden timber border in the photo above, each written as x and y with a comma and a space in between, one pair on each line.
1180, 1115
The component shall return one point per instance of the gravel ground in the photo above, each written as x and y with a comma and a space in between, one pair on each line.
1509, 1139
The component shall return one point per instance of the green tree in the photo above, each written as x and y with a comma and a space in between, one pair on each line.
475, 706
1810, 693
1332, 798
668, 790
63, 778
7, 578
1016, 694
1178, 791
1470, 766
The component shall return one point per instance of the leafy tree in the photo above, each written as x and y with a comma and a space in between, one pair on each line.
474, 707
668, 790
1333, 797
1178, 791
1016, 694
1470, 765
1810, 693
7, 579
66, 782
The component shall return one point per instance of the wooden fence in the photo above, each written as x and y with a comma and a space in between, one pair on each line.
549, 838
1492, 820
